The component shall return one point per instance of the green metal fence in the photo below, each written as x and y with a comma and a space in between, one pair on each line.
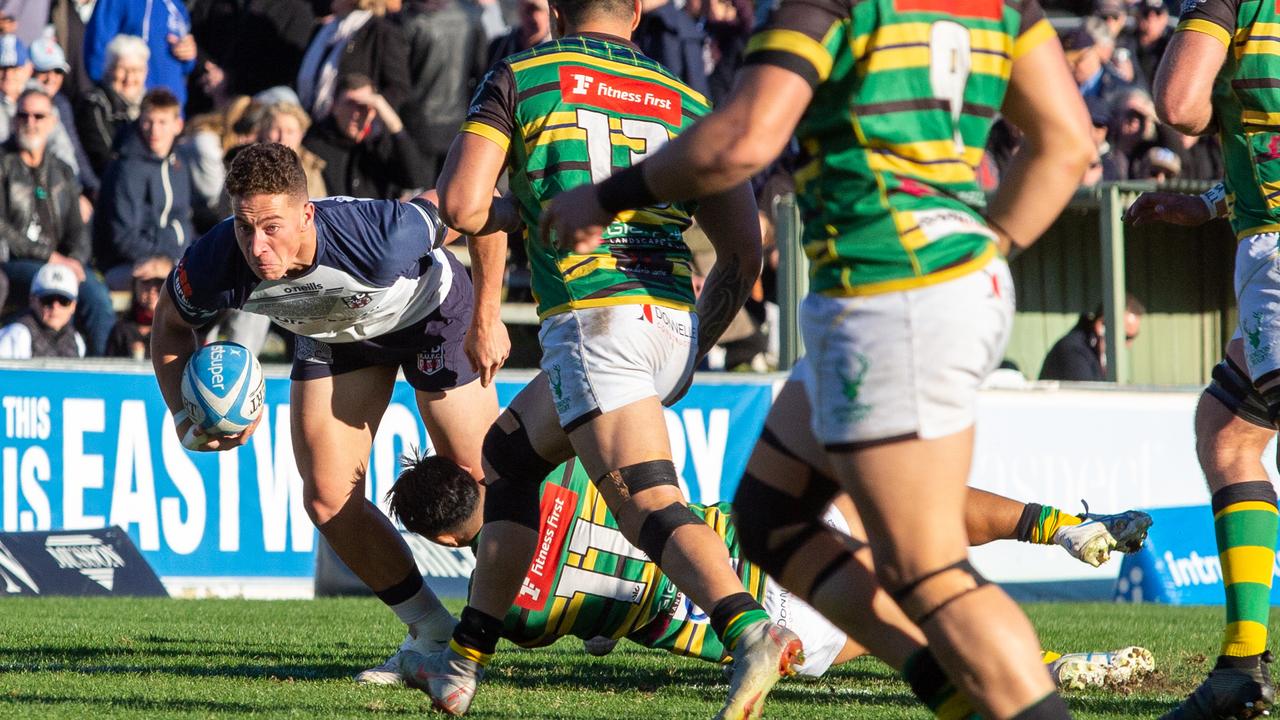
1090, 256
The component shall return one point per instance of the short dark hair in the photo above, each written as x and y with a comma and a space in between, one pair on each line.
576, 11
160, 99
351, 81
266, 169
433, 495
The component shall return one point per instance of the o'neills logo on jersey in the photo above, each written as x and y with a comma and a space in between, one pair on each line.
94, 559
619, 94
558, 505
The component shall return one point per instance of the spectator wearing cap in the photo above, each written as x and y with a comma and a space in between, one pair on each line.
1113, 13
50, 68
1087, 52
1160, 164
144, 208
15, 72
40, 218
45, 329
131, 336
165, 27
115, 100
1148, 38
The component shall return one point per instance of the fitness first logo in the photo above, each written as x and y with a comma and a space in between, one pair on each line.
623, 95
87, 554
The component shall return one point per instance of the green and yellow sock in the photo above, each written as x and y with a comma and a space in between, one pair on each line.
932, 686
1245, 521
734, 614
1039, 522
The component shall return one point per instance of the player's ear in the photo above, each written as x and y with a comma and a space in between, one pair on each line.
637, 10
308, 213
557, 21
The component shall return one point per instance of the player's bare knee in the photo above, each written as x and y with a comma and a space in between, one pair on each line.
1231, 435
514, 473
923, 597
325, 498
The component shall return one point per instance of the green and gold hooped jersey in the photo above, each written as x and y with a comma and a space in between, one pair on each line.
1246, 105
586, 580
571, 112
905, 92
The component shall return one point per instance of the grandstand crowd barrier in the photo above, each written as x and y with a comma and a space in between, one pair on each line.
88, 445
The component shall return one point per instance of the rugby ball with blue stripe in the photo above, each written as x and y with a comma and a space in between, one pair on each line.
223, 388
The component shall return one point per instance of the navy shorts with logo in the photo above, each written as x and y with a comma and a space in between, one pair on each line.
429, 351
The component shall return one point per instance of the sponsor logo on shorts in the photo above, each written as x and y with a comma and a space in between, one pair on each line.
313, 351
679, 325
431, 361
557, 508
557, 389
1258, 350
357, 301
853, 411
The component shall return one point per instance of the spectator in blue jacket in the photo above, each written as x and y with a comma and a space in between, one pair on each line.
165, 25
667, 34
144, 208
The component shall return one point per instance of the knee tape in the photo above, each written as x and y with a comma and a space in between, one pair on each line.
923, 598
773, 525
1232, 387
513, 495
659, 525
622, 483
512, 456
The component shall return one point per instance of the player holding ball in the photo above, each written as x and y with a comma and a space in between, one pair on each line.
368, 290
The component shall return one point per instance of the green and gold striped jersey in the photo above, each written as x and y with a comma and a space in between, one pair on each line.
586, 580
571, 112
905, 92
1246, 105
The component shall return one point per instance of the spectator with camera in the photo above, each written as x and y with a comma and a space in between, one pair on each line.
363, 144
40, 218
145, 205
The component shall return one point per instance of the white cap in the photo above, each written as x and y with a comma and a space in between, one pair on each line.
55, 279
47, 55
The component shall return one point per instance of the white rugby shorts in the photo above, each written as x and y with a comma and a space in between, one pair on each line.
601, 359
903, 364
1257, 283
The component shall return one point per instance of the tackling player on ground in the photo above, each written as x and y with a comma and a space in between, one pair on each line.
587, 581
1220, 72
619, 334
367, 290
910, 306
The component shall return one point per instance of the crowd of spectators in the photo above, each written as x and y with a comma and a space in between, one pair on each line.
118, 119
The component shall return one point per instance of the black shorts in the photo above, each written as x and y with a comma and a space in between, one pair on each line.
429, 351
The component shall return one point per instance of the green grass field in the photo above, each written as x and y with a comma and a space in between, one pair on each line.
93, 659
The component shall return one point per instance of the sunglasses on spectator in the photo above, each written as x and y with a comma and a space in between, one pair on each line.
21, 115
51, 300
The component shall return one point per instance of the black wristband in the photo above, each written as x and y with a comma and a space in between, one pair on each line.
625, 190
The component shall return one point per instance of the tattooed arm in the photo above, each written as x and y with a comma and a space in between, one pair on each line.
733, 227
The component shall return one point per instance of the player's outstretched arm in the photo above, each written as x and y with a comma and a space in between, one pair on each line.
1043, 102
173, 342
732, 225
467, 201
1184, 80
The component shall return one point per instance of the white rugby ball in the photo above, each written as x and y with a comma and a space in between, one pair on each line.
222, 388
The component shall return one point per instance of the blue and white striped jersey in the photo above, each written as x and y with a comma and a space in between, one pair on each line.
375, 272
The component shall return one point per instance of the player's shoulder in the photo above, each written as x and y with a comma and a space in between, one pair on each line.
375, 240
215, 251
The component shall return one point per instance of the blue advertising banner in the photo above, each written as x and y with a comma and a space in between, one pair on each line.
84, 450
1179, 564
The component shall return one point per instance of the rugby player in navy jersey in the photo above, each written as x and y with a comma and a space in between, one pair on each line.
368, 290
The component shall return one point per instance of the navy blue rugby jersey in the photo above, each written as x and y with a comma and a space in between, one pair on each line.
377, 270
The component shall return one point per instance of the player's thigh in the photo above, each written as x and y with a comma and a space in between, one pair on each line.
332, 421
1257, 286
535, 408
1231, 424
457, 420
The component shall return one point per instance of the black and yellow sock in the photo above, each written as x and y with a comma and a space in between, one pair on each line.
734, 614
476, 635
929, 683
1245, 521
1039, 522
